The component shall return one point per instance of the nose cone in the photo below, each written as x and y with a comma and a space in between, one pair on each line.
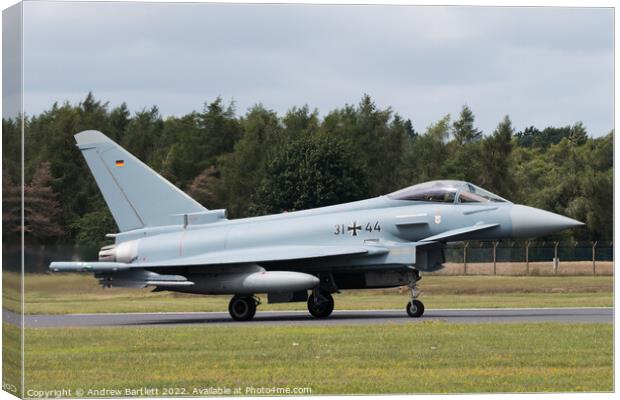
528, 222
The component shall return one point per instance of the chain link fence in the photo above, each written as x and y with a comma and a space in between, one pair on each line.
529, 258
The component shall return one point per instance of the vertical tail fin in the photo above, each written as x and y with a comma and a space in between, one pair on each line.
136, 195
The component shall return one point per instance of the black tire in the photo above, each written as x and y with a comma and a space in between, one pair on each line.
242, 308
322, 309
415, 308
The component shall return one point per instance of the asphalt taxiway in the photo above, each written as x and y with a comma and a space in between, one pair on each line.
498, 315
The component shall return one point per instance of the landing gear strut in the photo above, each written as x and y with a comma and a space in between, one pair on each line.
415, 308
242, 308
320, 304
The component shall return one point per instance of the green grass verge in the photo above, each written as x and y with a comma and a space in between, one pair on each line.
72, 293
11, 289
423, 357
11, 358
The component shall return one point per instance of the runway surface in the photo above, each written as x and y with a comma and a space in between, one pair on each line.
505, 315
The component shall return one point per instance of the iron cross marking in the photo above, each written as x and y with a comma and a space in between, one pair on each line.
355, 227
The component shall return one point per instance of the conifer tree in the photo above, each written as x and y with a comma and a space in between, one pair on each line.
41, 208
11, 207
463, 129
496, 150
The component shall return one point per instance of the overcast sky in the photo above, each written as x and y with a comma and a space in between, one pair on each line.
542, 66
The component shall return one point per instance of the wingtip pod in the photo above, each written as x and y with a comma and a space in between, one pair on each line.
79, 266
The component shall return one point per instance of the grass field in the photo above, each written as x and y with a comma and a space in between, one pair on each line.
74, 293
427, 357
11, 359
421, 357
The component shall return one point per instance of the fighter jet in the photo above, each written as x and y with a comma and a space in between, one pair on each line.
169, 241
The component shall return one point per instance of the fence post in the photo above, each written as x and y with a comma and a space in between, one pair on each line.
527, 257
594, 257
465, 258
495, 243
556, 261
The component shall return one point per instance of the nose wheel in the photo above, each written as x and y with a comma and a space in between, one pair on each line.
242, 308
320, 304
415, 308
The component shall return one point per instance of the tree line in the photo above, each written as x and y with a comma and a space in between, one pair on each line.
261, 162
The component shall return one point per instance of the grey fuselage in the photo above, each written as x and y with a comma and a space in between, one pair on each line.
377, 220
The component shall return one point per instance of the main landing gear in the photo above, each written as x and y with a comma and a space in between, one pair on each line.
320, 304
415, 308
243, 308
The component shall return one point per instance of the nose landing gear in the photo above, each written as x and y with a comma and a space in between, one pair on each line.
415, 308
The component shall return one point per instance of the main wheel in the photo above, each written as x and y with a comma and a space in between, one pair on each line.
321, 306
415, 308
242, 308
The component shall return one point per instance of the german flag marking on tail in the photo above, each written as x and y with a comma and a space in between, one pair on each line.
120, 163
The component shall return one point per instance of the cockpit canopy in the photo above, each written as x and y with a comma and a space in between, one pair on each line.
446, 192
